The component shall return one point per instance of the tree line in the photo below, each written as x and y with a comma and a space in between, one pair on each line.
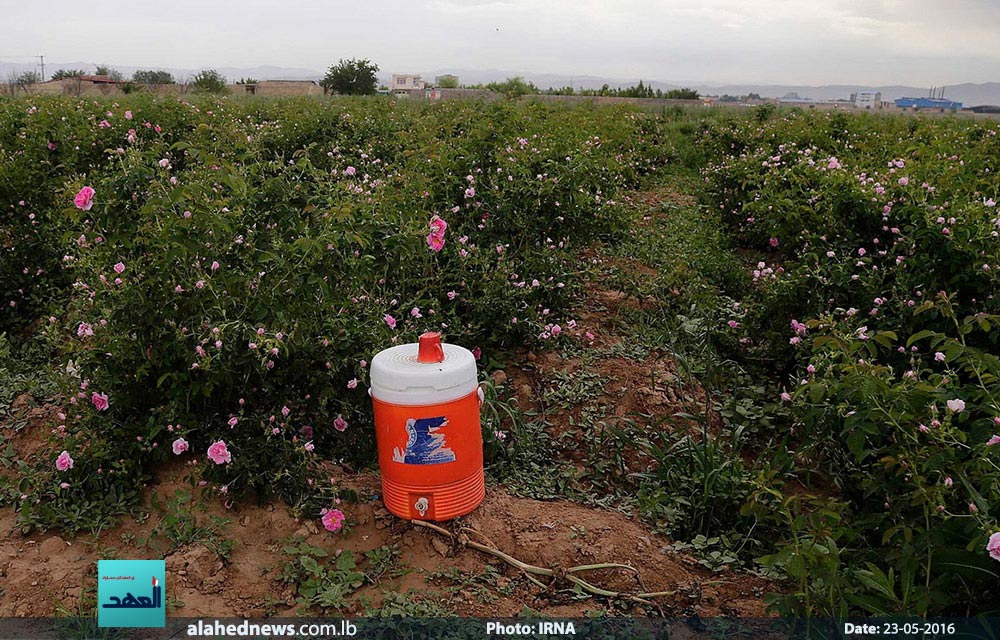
353, 77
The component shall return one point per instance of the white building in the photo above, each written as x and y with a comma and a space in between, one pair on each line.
868, 100
405, 83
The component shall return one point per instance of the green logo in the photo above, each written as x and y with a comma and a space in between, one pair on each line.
130, 593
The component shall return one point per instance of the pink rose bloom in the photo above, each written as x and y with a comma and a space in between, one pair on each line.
352, 383
219, 453
470, 192
435, 242
477, 353
339, 423
993, 441
84, 330
415, 312
99, 400
215, 265
233, 421
179, 446
957, 405
350, 171
774, 242
64, 461
310, 447
333, 520
438, 226
785, 396
84, 199
120, 267
164, 163
389, 320
993, 546
128, 115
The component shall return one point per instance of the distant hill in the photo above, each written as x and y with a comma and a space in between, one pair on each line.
969, 94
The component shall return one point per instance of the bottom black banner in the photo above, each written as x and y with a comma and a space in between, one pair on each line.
463, 628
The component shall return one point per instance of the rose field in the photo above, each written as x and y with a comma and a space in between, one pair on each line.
737, 363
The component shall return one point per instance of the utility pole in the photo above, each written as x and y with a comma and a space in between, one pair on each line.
42, 60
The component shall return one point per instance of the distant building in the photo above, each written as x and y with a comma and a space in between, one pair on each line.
404, 84
868, 100
928, 103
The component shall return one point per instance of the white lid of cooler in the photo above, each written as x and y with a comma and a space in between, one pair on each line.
398, 377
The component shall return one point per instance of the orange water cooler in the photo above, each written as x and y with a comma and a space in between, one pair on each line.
430, 443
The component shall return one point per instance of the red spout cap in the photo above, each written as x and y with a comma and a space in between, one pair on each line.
430, 349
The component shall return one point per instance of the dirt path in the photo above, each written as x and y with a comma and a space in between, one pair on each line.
41, 572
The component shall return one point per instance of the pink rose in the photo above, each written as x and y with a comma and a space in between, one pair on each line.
219, 453
179, 446
352, 383
435, 241
957, 405
995, 440
84, 199
339, 423
389, 320
99, 400
993, 546
120, 267
333, 520
64, 461
438, 226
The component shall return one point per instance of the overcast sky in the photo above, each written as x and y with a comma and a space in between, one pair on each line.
917, 42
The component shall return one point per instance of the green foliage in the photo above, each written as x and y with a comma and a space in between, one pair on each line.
114, 74
322, 582
209, 81
68, 73
352, 77
152, 76
513, 87
27, 78
179, 526
255, 286
446, 81
872, 246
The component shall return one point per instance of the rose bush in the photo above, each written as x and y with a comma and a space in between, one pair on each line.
219, 273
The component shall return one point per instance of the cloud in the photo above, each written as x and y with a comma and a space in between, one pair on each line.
794, 41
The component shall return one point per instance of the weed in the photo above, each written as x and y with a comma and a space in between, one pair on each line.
487, 587
384, 563
322, 583
179, 526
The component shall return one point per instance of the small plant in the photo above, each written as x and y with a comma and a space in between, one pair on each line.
321, 583
486, 587
179, 526
384, 563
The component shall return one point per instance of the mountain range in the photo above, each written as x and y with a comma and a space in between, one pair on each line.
969, 94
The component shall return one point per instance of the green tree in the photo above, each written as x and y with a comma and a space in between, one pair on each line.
681, 94
447, 81
67, 73
28, 78
351, 77
114, 74
209, 81
144, 76
513, 87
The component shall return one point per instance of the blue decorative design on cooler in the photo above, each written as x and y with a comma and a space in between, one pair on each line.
425, 445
